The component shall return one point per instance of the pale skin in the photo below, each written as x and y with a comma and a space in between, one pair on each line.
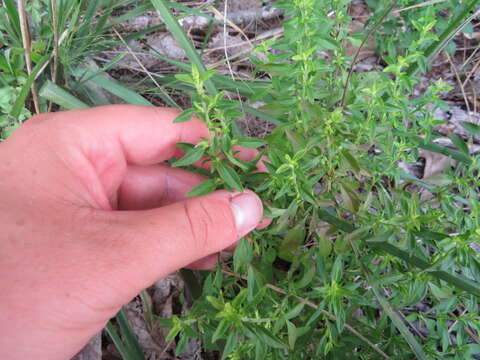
91, 215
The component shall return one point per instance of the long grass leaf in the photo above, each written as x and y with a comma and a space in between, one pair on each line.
119, 90
182, 39
124, 351
391, 313
60, 96
20, 101
433, 147
456, 280
271, 119
13, 28
399, 324
455, 26
129, 336
245, 88
333, 220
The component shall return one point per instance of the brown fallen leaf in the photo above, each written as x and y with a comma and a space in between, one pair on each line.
435, 163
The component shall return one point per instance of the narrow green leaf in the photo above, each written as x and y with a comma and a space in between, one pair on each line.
229, 176
266, 336
337, 270
124, 351
471, 127
192, 155
351, 160
243, 254
262, 115
117, 89
456, 280
333, 220
399, 324
292, 334
431, 146
290, 244
203, 188
185, 115
460, 144
324, 245
129, 336
221, 330
230, 344
20, 101
251, 143
182, 343
60, 96
454, 27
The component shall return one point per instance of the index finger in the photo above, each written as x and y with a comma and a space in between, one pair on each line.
146, 135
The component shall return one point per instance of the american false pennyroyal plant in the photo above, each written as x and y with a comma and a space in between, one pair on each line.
355, 252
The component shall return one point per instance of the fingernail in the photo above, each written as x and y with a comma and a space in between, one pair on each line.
247, 210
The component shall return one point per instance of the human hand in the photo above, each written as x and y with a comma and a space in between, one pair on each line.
90, 216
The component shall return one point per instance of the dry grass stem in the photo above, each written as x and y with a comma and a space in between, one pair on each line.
27, 47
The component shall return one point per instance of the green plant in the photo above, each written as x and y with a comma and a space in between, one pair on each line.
351, 246
63, 35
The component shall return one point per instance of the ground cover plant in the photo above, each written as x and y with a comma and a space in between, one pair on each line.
364, 259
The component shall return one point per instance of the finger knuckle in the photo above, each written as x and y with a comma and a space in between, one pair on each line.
201, 223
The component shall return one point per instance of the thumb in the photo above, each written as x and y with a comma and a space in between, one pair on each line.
148, 245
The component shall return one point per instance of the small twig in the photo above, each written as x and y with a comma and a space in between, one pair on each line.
415, 330
53, 4
472, 72
314, 306
426, 3
227, 21
27, 47
357, 54
462, 88
225, 34
42, 69
472, 334
167, 346
142, 66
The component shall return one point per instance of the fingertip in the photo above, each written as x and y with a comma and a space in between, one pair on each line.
247, 209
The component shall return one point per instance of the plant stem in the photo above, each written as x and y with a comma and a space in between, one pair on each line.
357, 54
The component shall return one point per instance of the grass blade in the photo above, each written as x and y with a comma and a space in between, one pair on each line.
125, 342
20, 101
117, 341
129, 336
117, 89
333, 220
399, 324
182, 39
245, 88
455, 26
271, 119
392, 314
60, 96
13, 26
433, 147
380, 242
